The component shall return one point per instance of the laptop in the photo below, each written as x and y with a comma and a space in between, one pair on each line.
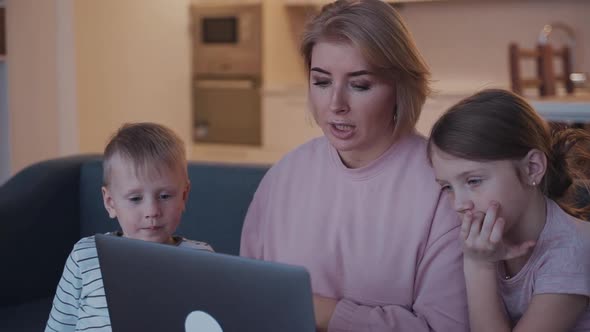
156, 287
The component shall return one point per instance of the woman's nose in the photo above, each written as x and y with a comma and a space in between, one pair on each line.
338, 103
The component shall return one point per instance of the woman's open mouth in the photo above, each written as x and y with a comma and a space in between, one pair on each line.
342, 130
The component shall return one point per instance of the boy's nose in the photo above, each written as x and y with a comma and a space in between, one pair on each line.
152, 210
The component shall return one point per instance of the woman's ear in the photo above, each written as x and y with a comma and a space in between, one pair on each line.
534, 166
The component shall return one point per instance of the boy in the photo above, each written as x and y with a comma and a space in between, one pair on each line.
145, 186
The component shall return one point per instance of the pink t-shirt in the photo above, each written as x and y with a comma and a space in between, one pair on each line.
380, 238
559, 264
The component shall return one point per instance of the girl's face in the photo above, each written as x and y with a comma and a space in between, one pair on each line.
472, 185
350, 102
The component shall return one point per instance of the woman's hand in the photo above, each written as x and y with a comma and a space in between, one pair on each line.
323, 308
482, 236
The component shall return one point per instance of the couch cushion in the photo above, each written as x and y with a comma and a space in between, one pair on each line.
39, 223
30, 316
217, 204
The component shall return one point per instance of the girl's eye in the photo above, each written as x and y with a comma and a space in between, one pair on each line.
446, 187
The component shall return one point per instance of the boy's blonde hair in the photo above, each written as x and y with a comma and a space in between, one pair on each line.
147, 146
375, 28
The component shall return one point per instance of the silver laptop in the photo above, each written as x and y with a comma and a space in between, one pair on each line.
156, 287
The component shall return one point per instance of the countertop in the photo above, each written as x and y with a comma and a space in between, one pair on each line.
572, 109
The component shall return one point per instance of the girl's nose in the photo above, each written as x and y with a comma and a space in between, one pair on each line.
463, 204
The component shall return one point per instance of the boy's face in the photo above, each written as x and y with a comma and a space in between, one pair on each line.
148, 205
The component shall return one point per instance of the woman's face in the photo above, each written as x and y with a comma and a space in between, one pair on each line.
351, 103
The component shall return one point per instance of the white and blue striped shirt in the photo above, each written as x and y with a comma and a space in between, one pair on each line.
80, 303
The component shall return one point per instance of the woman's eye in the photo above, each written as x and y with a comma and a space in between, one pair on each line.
361, 87
321, 83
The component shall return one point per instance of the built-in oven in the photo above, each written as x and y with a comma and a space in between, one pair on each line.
227, 73
227, 111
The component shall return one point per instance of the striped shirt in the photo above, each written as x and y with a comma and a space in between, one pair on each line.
79, 303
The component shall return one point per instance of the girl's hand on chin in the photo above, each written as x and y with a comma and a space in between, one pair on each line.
482, 236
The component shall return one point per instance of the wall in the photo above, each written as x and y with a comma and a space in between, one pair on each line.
133, 64
32, 81
78, 69
466, 42
40, 101
5, 165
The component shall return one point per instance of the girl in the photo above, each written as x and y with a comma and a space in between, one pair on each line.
526, 249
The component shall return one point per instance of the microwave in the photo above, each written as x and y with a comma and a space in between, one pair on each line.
226, 40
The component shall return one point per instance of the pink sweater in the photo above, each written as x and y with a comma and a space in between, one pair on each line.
378, 238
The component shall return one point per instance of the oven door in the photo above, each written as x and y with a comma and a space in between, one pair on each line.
227, 111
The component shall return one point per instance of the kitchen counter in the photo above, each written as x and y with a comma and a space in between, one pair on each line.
570, 109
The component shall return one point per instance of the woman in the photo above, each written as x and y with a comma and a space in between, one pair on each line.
359, 207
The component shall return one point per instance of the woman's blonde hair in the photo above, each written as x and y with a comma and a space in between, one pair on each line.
379, 32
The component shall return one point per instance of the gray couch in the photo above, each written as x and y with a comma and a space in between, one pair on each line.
47, 207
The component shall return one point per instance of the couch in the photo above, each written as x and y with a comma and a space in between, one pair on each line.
47, 207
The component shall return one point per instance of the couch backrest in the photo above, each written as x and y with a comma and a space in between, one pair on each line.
218, 201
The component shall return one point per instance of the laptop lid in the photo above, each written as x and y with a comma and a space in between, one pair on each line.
156, 287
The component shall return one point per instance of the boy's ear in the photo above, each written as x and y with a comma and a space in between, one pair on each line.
534, 167
108, 202
185, 192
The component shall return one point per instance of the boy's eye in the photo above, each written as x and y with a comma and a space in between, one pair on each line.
165, 196
473, 182
135, 199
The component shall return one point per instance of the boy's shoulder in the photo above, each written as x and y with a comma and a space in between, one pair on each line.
187, 243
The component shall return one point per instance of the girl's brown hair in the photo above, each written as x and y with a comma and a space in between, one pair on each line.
499, 125
375, 28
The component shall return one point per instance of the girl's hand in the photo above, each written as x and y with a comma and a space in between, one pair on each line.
482, 237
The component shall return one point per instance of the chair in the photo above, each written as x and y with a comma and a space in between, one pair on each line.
545, 79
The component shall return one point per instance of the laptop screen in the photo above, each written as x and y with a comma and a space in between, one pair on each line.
156, 287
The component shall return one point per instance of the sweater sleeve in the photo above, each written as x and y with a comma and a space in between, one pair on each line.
440, 302
64, 311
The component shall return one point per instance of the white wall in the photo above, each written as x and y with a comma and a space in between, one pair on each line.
32, 81
133, 64
5, 166
466, 42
